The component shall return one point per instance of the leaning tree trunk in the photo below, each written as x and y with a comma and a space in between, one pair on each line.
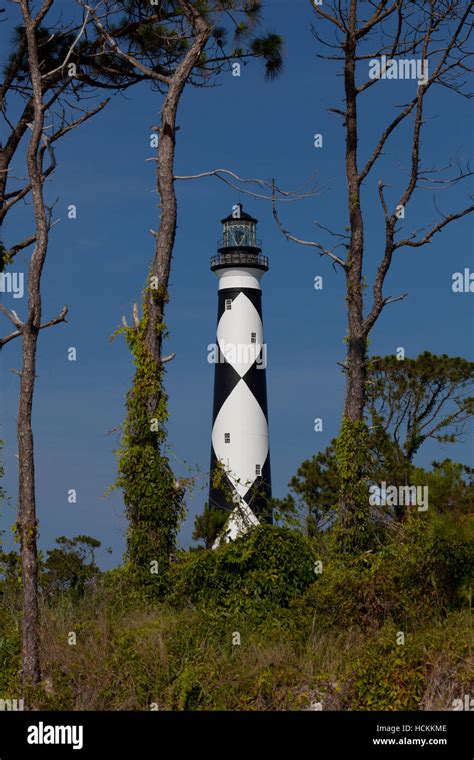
157, 297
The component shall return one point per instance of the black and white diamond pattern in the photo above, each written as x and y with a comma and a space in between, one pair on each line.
240, 410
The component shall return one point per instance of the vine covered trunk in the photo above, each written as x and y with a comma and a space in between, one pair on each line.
152, 495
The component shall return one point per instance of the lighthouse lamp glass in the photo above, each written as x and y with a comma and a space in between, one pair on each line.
239, 234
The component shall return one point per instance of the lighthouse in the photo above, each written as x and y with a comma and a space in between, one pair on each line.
240, 481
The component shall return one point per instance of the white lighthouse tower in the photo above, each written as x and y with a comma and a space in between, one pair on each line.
240, 456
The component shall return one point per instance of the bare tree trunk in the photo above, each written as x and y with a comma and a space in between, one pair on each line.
356, 374
350, 447
27, 524
356, 349
27, 521
156, 299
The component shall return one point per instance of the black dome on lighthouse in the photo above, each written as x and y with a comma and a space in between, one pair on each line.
242, 216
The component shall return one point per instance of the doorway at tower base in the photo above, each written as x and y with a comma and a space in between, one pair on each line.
240, 522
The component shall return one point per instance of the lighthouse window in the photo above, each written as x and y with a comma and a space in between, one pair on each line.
239, 233
253, 337
228, 303
258, 469
226, 437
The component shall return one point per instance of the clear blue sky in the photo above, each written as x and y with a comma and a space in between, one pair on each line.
97, 265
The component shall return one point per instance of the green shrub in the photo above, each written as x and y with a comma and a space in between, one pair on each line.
425, 569
266, 568
10, 647
387, 675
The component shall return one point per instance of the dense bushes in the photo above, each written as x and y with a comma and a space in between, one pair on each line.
424, 568
305, 638
267, 567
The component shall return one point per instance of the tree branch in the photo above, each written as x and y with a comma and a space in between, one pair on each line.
113, 44
282, 195
321, 250
60, 318
407, 242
